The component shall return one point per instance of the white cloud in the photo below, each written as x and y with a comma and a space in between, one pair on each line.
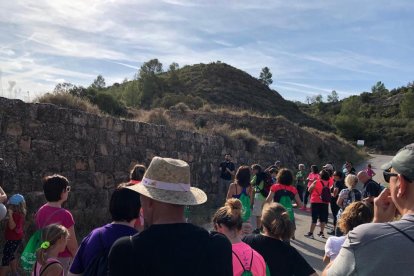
46, 40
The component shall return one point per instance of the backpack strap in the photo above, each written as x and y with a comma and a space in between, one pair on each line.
48, 265
49, 217
251, 261
401, 231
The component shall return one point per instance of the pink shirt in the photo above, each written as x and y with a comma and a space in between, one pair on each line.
244, 253
370, 172
316, 192
38, 266
48, 215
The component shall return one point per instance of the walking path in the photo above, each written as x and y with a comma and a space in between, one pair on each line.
313, 250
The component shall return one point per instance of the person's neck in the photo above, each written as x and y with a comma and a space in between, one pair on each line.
169, 219
56, 204
52, 252
131, 223
234, 237
267, 234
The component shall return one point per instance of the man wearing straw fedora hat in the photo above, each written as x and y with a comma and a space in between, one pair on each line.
169, 246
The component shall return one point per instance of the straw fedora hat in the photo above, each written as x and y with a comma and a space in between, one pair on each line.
168, 180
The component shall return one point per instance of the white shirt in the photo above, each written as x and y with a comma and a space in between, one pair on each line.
333, 245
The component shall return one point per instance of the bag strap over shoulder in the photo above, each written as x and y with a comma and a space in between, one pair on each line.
401, 231
47, 266
50, 217
251, 261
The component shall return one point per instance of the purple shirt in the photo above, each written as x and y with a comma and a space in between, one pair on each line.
92, 245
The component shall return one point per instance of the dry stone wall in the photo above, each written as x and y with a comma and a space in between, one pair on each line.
96, 152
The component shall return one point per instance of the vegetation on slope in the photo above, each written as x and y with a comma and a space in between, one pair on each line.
383, 118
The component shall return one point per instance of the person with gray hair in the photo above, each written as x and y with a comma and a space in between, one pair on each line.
391, 234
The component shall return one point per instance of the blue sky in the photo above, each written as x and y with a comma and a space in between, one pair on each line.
311, 47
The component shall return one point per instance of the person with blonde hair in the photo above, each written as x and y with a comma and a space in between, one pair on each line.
228, 221
54, 240
347, 196
280, 257
354, 214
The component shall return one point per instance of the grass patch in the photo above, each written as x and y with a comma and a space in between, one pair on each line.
69, 101
250, 141
156, 116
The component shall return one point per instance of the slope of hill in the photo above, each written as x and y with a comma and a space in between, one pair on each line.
383, 119
216, 84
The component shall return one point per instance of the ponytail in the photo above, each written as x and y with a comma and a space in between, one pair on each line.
230, 214
277, 222
51, 234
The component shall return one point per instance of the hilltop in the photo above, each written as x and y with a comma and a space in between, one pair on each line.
216, 84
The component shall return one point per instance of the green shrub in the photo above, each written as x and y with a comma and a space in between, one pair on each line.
200, 122
110, 105
182, 107
69, 101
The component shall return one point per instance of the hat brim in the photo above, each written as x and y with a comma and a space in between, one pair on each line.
193, 197
387, 166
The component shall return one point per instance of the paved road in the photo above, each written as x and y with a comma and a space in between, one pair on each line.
313, 250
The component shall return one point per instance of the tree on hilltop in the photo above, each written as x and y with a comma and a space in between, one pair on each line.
266, 76
64, 87
98, 83
379, 88
333, 97
150, 68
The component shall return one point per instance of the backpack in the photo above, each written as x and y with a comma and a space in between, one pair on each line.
267, 183
99, 265
266, 177
353, 195
245, 271
245, 200
325, 195
286, 202
28, 257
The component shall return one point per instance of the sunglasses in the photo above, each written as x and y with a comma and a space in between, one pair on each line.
387, 175
67, 188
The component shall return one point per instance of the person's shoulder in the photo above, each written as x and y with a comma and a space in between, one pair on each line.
367, 232
292, 189
218, 238
249, 239
124, 244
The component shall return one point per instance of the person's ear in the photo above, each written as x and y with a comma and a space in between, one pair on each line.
401, 186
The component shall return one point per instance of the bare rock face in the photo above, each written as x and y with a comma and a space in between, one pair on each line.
96, 153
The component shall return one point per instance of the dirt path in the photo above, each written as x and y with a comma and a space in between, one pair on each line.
313, 250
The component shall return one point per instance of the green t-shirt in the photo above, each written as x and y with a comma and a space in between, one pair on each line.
301, 178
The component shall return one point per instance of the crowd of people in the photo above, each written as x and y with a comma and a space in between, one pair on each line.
252, 229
